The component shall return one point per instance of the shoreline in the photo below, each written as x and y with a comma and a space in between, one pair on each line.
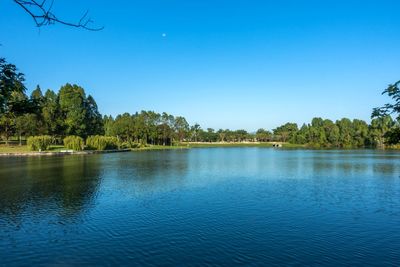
181, 146
86, 152
58, 153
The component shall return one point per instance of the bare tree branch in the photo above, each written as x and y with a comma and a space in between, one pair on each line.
41, 13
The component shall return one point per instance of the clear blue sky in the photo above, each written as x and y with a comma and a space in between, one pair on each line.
224, 64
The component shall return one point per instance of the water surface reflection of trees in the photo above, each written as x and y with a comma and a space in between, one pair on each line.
60, 186
149, 172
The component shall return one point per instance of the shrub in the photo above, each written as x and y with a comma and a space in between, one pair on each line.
112, 142
392, 136
99, 142
74, 143
39, 143
129, 144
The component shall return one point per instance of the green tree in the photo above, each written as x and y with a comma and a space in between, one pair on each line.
17, 105
51, 114
37, 95
141, 132
73, 107
241, 135
26, 125
10, 81
393, 91
108, 124
195, 130
332, 133
286, 132
221, 135
11, 88
360, 133
263, 135
153, 120
378, 129
124, 127
167, 122
302, 136
345, 133
7, 125
181, 127
94, 121
208, 136
393, 136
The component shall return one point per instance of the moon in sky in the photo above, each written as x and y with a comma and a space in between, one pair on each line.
164, 35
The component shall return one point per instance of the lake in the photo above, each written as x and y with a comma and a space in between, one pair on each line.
199, 207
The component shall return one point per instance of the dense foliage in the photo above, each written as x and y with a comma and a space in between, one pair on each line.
39, 143
69, 112
74, 142
98, 142
343, 133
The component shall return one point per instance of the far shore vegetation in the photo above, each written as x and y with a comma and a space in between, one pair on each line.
70, 119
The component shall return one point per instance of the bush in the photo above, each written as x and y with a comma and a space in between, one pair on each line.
392, 136
129, 144
39, 143
99, 142
74, 143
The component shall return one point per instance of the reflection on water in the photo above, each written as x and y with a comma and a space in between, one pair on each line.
65, 185
246, 206
146, 173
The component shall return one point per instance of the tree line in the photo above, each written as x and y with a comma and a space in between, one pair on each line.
344, 133
71, 112
68, 112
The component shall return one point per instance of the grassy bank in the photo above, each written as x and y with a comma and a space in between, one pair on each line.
157, 147
17, 149
13, 149
240, 144
219, 144
24, 149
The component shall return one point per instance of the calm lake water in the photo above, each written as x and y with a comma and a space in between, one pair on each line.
198, 207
